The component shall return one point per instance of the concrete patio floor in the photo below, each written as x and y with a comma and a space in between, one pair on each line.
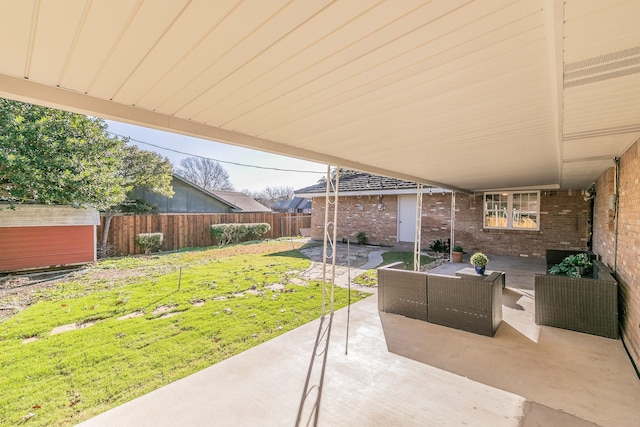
404, 372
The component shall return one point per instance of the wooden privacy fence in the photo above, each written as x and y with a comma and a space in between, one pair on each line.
191, 230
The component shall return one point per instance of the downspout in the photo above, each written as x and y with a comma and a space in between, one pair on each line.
616, 186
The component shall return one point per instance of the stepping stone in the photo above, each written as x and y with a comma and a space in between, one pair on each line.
164, 309
28, 340
131, 315
63, 328
71, 327
86, 324
173, 313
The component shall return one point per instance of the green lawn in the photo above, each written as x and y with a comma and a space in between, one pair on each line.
222, 308
370, 277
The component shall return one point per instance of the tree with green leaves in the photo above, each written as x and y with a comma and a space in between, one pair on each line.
140, 169
56, 157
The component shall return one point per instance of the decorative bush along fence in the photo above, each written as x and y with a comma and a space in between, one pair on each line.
191, 230
236, 233
149, 242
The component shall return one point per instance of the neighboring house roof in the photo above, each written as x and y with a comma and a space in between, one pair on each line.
191, 198
300, 203
295, 204
243, 202
363, 184
280, 205
231, 205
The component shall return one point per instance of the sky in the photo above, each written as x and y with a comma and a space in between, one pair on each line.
242, 177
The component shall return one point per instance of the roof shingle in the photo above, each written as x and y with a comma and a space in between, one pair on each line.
362, 182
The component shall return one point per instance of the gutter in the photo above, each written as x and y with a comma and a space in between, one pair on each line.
344, 193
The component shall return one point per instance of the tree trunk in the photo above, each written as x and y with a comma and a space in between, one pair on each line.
108, 216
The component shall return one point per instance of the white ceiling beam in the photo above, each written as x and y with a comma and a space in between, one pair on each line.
554, 25
26, 91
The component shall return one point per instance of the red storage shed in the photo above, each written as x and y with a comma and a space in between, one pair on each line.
42, 236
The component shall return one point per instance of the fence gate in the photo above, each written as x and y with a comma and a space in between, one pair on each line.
292, 224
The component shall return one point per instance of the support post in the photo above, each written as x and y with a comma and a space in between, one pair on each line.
418, 239
309, 408
453, 224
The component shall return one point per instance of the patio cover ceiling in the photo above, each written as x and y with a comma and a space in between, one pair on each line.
461, 94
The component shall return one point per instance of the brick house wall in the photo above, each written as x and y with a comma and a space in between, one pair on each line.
564, 223
604, 218
625, 258
356, 214
436, 217
361, 213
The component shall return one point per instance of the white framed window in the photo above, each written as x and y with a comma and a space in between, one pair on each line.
512, 210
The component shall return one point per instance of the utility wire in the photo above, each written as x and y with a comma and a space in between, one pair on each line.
216, 160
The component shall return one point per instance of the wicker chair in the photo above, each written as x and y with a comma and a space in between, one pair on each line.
402, 292
587, 305
468, 304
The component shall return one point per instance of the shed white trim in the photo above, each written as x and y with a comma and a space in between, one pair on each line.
45, 215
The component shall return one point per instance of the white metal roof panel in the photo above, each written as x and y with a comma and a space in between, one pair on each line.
464, 94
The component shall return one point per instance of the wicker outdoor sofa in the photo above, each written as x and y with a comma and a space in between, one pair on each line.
583, 304
402, 291
469, 304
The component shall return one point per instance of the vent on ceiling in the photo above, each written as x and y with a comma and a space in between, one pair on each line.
603, 67
597, 133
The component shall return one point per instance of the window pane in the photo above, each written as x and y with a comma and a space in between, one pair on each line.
495, 210
525, 210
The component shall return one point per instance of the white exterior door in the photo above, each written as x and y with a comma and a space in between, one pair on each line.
407, 218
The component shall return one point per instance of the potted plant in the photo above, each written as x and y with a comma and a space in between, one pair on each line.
457, 254
573, 266
479, 261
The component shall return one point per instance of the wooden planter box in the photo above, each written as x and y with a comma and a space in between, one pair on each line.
587, 305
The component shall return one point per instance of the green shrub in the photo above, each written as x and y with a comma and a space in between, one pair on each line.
150, 242
439, 245
361, 238
236, 233
572, 265
259, 230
